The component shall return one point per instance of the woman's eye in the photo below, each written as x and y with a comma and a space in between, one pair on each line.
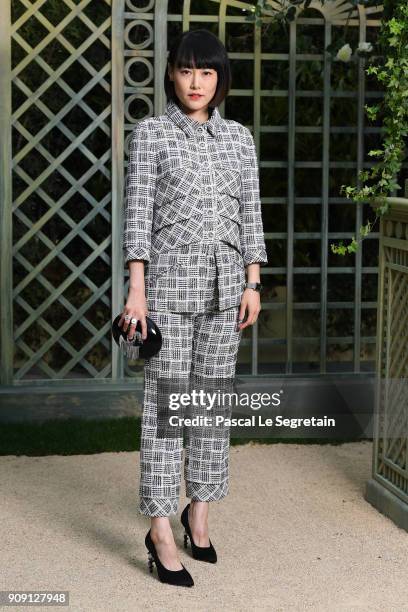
186, 70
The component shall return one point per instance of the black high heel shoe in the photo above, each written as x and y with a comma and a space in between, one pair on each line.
202, 553
177, 577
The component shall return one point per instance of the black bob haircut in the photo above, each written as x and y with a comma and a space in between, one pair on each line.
199, 49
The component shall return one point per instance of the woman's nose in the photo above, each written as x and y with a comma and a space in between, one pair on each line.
195, 81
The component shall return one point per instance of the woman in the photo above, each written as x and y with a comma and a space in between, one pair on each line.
192, 228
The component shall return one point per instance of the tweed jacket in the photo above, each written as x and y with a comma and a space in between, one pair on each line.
191, 184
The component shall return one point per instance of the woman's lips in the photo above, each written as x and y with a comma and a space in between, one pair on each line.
195, 96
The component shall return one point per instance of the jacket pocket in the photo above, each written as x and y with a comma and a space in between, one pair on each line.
177, 198
172, 157
230, 209
175, 185
228, 183
228, 180
172, 212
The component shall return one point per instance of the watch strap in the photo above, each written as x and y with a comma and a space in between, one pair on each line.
256, 286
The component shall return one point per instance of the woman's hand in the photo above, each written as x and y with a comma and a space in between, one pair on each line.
136, 307
251, 302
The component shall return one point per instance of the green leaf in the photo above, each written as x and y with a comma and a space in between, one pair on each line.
375, 153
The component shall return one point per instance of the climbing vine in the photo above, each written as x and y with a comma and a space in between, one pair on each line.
390, 67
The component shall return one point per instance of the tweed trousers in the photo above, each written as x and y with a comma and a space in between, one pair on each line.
199, 347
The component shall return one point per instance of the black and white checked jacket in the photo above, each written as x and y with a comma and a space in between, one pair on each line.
191, 183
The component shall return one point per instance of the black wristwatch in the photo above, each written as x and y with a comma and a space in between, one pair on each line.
256, 286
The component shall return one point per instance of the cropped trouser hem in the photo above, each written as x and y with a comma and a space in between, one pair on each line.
202, 491
197, 491
156, 506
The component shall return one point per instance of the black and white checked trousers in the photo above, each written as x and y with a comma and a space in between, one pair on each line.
196, 346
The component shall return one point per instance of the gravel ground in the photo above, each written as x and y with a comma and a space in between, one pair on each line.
294, 533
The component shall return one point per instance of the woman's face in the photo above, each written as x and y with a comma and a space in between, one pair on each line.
194, 87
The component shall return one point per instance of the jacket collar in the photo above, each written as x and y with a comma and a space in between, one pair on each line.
179, 117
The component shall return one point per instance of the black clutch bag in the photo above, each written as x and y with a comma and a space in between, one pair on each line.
137, 348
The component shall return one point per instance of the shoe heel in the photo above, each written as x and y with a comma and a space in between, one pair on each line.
150, 561
185, 539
